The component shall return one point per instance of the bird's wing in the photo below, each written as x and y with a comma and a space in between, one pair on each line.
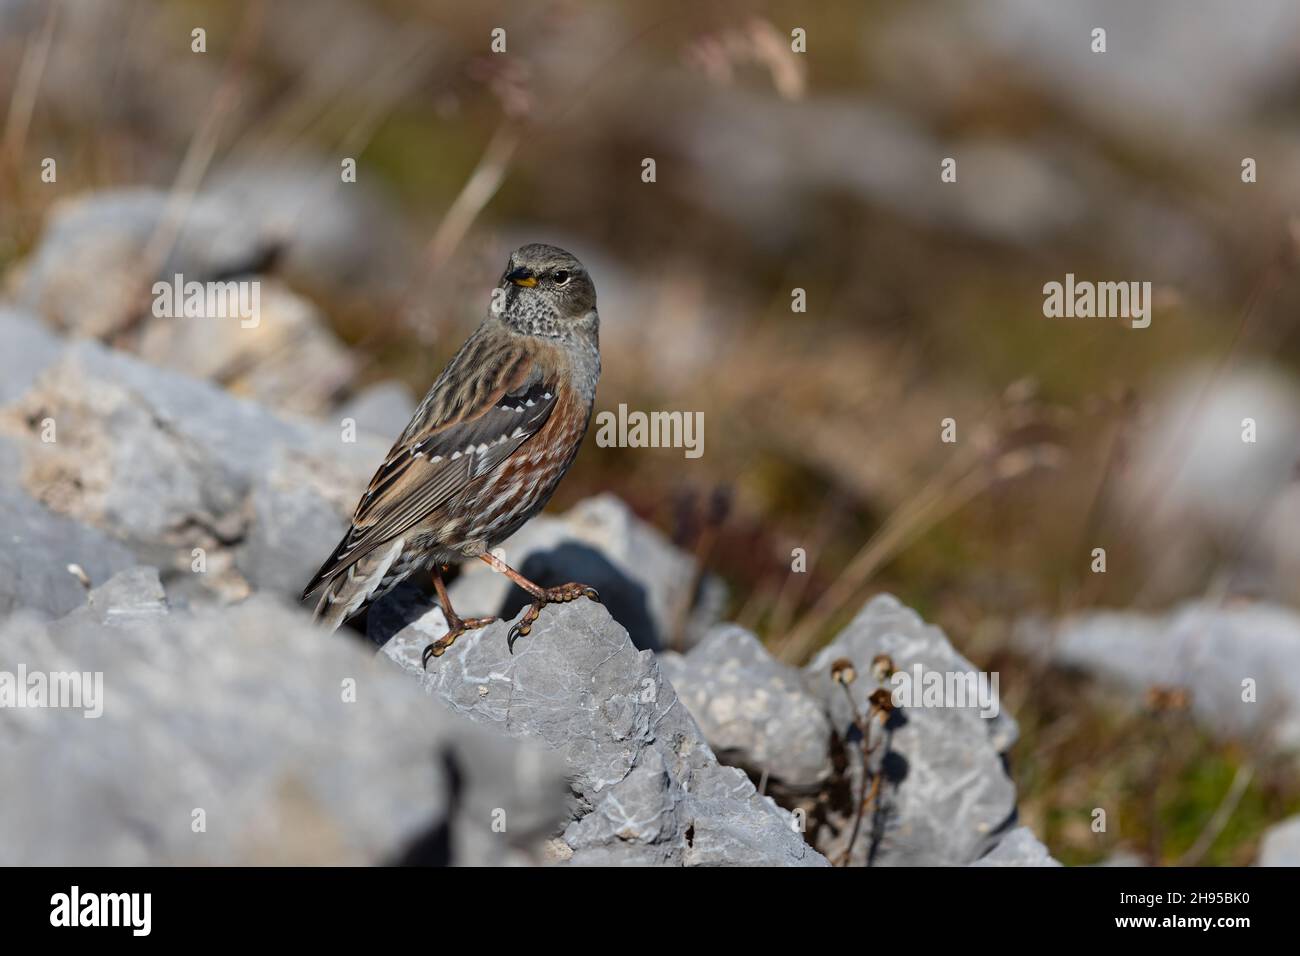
470, 427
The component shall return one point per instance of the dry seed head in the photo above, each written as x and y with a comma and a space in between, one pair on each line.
843, 671
882, 667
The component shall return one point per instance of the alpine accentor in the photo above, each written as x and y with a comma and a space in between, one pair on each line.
485, 451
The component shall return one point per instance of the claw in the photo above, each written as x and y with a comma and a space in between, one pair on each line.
433, 650
522, 627
439, 647
559, 595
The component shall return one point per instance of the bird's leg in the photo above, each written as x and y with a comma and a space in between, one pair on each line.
541, 596
455, 622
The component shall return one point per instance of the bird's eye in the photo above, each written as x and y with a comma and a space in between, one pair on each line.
561, 277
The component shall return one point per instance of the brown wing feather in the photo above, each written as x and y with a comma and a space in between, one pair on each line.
488, 402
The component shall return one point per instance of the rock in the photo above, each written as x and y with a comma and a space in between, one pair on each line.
1018, 848
29, 349
753, 710
133, 595
1281, 844
945, 795
343, 239
169, 464
1210, 650
85, 274
383, 409
243, 735
648, 789
262, 357
292, 529
646, 583
91, 275
40, 552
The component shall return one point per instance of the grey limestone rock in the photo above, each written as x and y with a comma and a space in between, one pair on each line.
168, 464
93, 272
40, 553
753, 710
945, 797
648, 788
243, 735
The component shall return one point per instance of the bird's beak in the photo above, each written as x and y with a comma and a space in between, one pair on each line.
523, 277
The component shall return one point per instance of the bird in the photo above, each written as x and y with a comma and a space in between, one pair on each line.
484, 451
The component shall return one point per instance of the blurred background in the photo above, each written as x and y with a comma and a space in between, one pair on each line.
775, 171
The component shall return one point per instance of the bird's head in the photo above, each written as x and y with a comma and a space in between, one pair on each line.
545, 291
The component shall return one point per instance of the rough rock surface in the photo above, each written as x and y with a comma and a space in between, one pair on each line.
645, 582
40, 552
753, 710
297, 748
946, 798
167, 464
262, 357
648, 789
92, 275
1207, 648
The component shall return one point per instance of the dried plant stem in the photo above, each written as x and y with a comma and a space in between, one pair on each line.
864, 728
474, 196
23, 101
194, 166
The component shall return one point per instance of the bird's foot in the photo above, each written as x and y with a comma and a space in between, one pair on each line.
458, 627
557, 595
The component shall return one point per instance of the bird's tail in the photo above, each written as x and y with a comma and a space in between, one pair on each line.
346, 593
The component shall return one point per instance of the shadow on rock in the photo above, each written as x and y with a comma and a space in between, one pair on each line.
625, 599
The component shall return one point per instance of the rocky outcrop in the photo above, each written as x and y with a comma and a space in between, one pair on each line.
93, 272
233, 731
939, 791
647, 786
242, 735
223, 496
